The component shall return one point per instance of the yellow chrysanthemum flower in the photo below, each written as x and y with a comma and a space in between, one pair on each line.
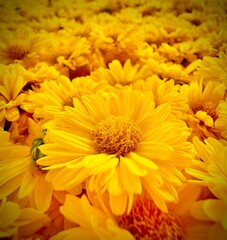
214, 69
22, 46
70, 54
11, 96
119, 75
212, 216
19, 129
116, 40
120, 144
18, 223
20, 177
211, 171
40, 73
57, 221
203, 103
145, 221
53, 96
221, 122
201, 216
174, 71
91, 223
165, 91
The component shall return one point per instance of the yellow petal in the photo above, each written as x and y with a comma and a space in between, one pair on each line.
9, 212
143, 161
27, 185
130, 182
118, 203
12, 114
43, 194
154, 150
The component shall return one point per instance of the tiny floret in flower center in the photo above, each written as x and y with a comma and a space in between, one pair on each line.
117, 135
147, 222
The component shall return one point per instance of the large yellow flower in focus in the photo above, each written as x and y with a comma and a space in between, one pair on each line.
120, 144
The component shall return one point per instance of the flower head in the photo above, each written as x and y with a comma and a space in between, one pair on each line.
89, 222
203, 102
118, 74
22, 46
19, 222
146, 221
214, 68
11, 96
117, 40
165, 91
120, 144
221, 122
52, 96
211, 171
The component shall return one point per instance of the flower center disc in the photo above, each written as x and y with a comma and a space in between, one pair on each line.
17, 52
147, 222
116, 135
209, 108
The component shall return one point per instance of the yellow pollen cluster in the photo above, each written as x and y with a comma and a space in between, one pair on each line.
117, 135
17, 52
147, 222
209, 108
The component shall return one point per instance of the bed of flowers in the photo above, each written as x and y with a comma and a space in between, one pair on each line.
113, 119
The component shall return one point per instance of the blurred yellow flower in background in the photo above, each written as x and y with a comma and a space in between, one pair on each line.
11, 85
119, 75
214, 69
22, 46
165, 91
54, 95
211, 216
19, 222
211, 171
221, 122
203, 101
91, 223
116, 40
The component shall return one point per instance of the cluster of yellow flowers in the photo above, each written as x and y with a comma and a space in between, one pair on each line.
113, 119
